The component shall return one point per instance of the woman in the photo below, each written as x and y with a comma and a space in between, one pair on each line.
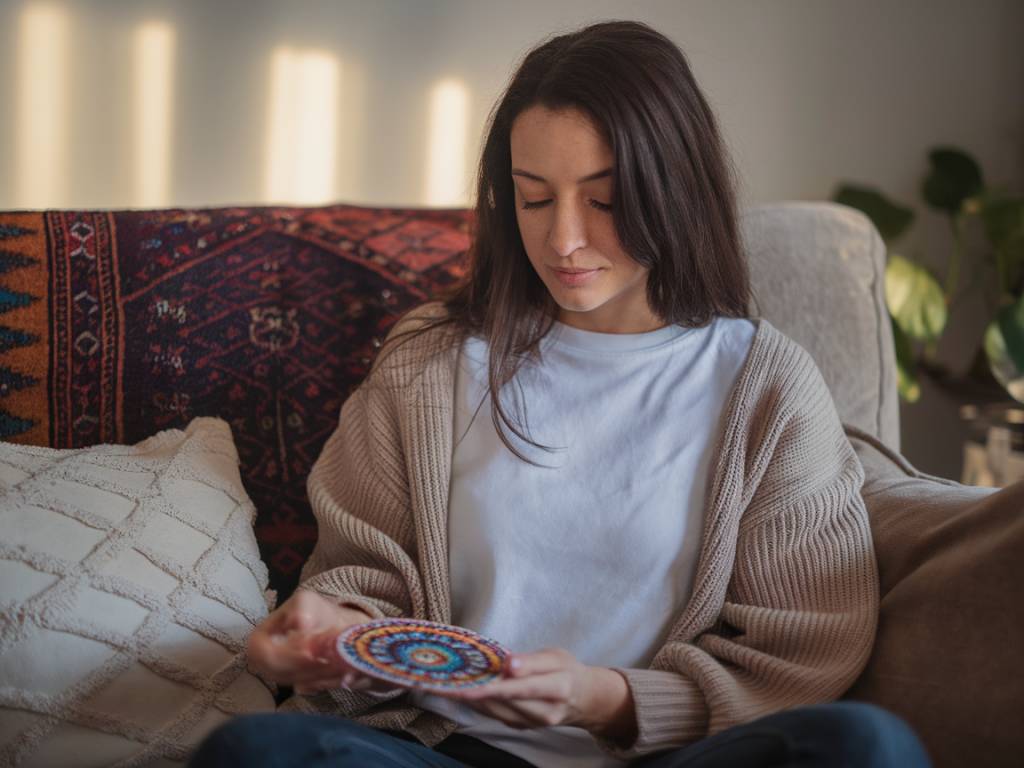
662, 516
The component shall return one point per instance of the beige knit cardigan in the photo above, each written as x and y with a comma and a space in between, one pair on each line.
785, 600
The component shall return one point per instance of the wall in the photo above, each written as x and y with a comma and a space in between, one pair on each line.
807, 92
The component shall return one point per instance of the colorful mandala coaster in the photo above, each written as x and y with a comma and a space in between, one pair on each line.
424, 655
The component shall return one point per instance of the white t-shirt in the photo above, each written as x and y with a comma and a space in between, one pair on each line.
613, 517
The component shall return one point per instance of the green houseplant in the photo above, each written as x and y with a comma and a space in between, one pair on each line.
921, 306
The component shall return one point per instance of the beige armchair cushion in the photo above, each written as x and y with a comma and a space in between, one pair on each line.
817, 272
949, 656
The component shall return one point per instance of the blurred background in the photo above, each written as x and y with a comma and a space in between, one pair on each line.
143, 103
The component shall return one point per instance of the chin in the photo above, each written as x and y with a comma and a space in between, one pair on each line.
578, 304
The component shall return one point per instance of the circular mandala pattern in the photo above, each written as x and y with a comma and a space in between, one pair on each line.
425, 655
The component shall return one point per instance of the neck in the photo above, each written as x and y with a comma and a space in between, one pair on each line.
642, 326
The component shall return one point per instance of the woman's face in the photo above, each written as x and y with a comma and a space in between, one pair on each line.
561, 168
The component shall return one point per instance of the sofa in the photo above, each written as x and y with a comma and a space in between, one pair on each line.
209, 352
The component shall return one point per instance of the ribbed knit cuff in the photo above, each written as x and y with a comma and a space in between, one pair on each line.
378, 609
670, 713
363, 604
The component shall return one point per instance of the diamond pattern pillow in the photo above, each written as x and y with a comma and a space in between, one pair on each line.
129, 581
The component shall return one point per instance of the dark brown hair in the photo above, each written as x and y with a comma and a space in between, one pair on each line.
673, 199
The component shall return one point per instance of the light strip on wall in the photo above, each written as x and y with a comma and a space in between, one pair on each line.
446, 149
153, 92
40, 108
302, 124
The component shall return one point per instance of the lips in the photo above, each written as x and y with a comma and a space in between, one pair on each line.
577, 277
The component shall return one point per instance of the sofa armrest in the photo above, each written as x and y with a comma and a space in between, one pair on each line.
947, 657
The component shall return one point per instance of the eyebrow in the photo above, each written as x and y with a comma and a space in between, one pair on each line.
589, 177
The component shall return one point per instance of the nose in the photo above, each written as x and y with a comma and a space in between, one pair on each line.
569, 228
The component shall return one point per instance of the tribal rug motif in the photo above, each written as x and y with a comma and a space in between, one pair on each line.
117, 324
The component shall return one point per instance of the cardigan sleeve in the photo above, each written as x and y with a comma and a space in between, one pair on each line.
365, 540
800, 609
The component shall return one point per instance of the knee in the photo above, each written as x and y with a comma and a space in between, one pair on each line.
243, 740
284, 739
869, 734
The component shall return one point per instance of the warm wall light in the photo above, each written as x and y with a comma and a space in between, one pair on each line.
351, 136
153, 91
301, 127
40, 108
446, 151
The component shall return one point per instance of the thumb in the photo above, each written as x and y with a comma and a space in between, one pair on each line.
323, 645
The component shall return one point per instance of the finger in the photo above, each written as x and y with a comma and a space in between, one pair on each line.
268, 654
537, 713
324, 645
539, 662
302, 612
371, 684
277, 617
285, 659
289, 647
359, 682
531, 712
312, 646
338, 669
300, 618
549, 687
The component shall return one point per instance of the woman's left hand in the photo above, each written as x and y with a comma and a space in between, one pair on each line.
547, 688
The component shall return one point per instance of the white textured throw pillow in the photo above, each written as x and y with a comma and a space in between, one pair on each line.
129, 581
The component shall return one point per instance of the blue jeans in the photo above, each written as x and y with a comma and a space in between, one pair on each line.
843, 734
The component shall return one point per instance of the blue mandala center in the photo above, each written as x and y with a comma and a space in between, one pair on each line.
422, 655
428, 656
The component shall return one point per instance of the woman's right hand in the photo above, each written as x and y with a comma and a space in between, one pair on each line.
294, 645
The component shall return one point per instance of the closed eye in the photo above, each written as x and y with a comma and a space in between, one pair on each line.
541, 203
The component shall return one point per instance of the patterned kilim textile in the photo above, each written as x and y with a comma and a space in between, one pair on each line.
116, 324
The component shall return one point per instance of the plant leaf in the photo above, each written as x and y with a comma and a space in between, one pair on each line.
1003, 220
1004, 347
906, 374
954, 176
915, 299
890, 219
